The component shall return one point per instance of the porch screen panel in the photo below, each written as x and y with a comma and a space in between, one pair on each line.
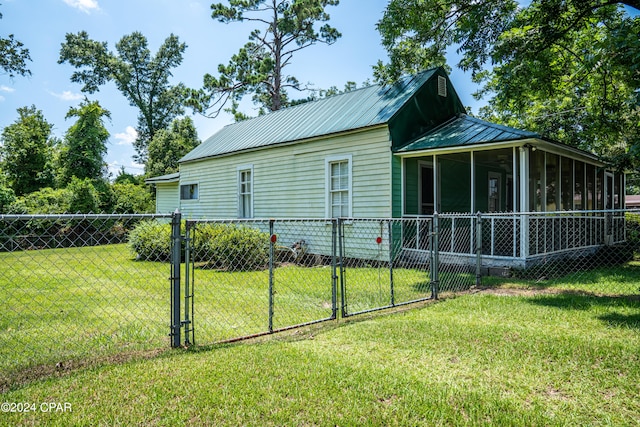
566, 183
599, 189
578, 195
494, 172
552, 176
591, 186
536, 181
617, 191
455, 182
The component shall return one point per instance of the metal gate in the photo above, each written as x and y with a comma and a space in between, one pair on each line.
246, 278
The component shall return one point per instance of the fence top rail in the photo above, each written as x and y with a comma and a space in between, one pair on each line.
257, 220
82, 216
577, 213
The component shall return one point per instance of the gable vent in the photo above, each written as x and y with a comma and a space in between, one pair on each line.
442, 86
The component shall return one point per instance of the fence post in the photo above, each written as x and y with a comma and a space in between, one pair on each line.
435, 259
479, 249
343, 290
188, 292
334, 276
272, 241
176, 255
391, 256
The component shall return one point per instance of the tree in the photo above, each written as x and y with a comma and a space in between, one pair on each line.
27, 151
85, 144
170, 145
259, 66
575, 64
580, 92
124, 177
132, 199
13, 56
142, 79
83, 196
7, 196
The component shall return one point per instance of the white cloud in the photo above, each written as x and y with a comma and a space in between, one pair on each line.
127, 137
67, 95
6, 89
86, 6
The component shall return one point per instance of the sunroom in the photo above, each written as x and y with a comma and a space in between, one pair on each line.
533, 198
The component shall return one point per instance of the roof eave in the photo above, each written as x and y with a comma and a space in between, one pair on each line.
164, 179
480, 146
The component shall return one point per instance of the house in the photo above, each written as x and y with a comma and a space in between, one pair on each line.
632, 201
406, 150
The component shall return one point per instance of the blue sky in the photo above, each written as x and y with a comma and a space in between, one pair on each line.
42, 24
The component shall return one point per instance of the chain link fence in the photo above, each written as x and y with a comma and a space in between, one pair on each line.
72, 289
253, 277
87, 286
586, 251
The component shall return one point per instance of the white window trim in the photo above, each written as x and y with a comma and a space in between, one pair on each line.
239, 170
327, 167
182, 184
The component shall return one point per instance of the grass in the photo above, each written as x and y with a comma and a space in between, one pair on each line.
73, 304
477, 359
88, 327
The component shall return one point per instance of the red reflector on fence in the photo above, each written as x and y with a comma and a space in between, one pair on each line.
378, 240
274, 238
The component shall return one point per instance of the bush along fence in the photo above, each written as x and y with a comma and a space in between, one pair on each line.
78, 287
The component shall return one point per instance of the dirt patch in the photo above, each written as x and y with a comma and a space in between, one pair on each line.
25, 376
518, 292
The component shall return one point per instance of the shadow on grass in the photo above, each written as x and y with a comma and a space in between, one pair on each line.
624, 310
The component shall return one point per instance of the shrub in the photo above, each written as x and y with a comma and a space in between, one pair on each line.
83, 197
223, 246
151, 241
44, 201
234, 248
131, 199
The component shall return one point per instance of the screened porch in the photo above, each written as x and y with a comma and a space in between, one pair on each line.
531, 199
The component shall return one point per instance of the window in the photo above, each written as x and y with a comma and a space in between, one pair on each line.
245, 191
339, 187
189, 192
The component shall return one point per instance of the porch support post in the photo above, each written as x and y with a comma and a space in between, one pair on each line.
473, 183
524, 202
436, 196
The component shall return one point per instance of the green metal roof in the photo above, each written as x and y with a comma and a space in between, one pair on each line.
361, 108
172, 177
464, 130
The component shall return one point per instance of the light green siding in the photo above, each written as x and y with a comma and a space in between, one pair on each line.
167, 197
290, 181
396, 182
411, 204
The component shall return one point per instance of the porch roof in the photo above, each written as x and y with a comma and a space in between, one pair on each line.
464, 130
164, 179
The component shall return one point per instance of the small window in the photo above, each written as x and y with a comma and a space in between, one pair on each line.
189, 192
245, 192
339, 187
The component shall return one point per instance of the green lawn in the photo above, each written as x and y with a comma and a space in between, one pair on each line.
74, 304
551, 352
477, 359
